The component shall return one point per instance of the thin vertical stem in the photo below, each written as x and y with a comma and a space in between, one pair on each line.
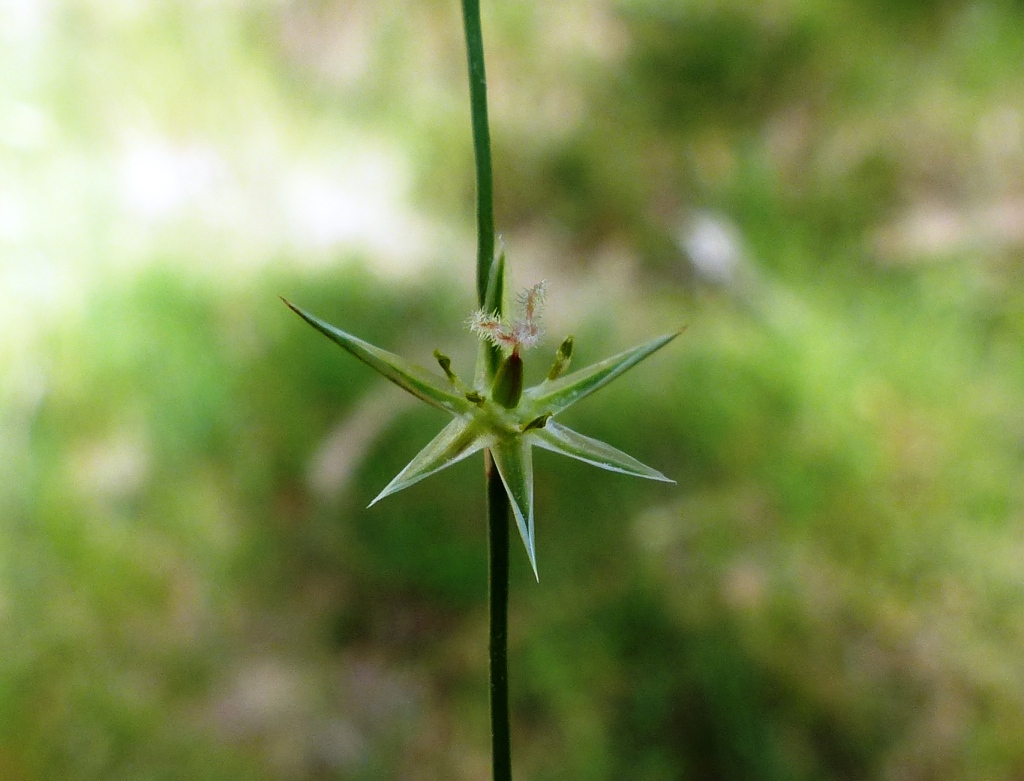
497, 536
481, 144
497, 500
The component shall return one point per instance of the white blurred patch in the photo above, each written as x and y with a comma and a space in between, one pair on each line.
113, 469
932, 231
355, 201
714, 246
159, 181
24, 127
360, 202
23, 21
13, 216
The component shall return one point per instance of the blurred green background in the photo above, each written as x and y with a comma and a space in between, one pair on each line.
830, 195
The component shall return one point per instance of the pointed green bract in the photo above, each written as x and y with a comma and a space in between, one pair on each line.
489, 356
415, 379
560, 439
554, 396
457, 440
514, 460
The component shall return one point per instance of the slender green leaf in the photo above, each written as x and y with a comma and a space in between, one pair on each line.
418, 381
555, 395
570, 443
514, 460
456, 441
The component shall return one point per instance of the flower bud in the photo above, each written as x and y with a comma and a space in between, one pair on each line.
508, 382
446, 366
562, 358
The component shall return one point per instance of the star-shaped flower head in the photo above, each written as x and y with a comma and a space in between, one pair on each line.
495, 412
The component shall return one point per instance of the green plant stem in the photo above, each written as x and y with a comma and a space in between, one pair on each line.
481, 144
497, 499
497, 537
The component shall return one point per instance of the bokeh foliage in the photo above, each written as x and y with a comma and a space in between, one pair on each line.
190, 587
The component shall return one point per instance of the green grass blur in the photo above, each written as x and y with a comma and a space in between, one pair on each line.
827, 193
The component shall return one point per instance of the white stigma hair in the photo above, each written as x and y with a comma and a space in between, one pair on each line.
520, 334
